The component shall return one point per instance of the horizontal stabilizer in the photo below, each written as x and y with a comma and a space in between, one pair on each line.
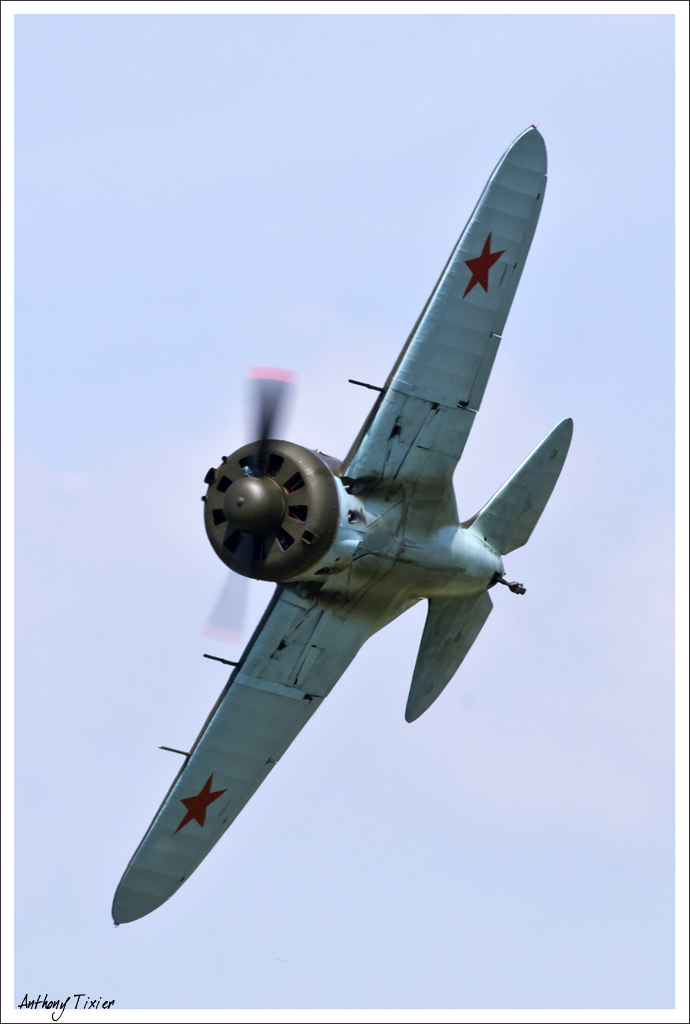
506, 522
452, 626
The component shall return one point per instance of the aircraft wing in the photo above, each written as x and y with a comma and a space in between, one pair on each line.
297, 654
418, 427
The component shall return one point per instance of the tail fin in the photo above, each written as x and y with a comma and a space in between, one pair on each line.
506, 522
452, 626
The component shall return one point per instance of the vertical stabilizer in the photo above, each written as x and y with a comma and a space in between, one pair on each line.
506, 522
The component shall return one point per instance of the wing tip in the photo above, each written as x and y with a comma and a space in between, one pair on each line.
565, 427
531, 143
125, 910
412, 714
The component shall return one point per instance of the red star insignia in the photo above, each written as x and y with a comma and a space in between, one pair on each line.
196, 805
481, 265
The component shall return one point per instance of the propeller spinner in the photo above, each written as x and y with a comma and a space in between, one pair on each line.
271, 510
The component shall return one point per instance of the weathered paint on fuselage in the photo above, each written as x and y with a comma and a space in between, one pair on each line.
384, 560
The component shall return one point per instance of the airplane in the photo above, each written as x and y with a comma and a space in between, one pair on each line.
353, 544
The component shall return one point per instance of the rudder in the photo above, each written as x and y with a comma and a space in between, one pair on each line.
507, 520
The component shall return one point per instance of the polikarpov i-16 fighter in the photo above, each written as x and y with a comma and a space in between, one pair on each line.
353, 544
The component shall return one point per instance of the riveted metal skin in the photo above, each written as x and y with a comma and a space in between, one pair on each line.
296, 508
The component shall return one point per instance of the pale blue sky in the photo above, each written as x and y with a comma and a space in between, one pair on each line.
197, 194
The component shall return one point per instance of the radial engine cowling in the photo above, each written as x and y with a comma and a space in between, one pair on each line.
272, 511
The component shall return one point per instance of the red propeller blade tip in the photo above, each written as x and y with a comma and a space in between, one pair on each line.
226, 636
270, 373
